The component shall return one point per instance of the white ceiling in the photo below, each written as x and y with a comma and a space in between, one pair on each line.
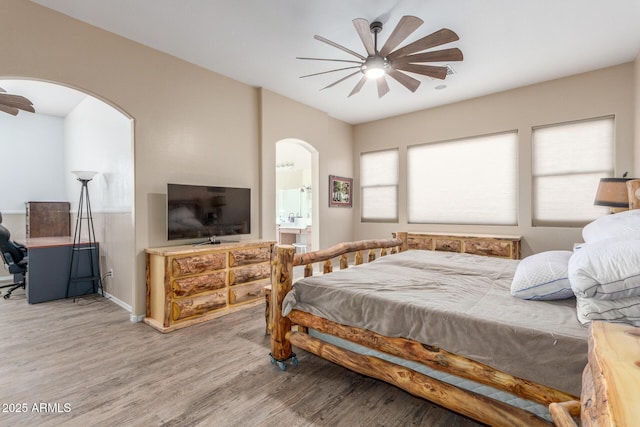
506, 44
47, 98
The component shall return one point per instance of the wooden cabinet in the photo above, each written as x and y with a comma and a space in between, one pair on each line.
192, 284
47, 219
296, 236
501, 246
610, 381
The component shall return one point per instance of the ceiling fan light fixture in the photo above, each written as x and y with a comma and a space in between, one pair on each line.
375, 67
374, 73
391, 60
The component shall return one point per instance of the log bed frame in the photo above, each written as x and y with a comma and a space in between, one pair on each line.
470, 404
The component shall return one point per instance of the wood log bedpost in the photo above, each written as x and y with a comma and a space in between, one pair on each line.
405, 240
308, 270
281, 282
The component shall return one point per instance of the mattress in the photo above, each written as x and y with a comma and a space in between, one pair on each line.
460, 303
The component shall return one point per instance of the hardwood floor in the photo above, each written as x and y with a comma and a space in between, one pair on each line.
83, 363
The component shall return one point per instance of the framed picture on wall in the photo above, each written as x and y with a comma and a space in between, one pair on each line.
340, 192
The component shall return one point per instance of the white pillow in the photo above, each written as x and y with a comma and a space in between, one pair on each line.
606, 269
543, 276
625, 225
625, 310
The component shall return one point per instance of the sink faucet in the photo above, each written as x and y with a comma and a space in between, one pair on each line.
291, 218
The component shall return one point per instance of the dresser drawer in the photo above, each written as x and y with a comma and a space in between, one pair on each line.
240, 257
198, 264
196, 306
251, 292
198, 284
249, 273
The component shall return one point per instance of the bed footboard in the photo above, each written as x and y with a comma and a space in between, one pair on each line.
284, 259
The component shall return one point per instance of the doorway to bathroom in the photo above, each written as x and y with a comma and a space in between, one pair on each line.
296, 194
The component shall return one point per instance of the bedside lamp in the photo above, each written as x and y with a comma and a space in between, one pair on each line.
613, 192
633, 192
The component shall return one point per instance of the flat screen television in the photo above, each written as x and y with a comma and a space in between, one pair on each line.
199, 211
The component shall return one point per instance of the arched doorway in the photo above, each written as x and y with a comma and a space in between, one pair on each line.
297, 194
73, 130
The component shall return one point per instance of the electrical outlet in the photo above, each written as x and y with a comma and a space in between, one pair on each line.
110, 273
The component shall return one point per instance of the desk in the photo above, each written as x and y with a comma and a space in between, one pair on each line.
48, 269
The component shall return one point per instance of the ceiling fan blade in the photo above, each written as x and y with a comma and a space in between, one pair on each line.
358, 86
438, 38
383, 87
404, 79
328, 59
362, 27
425, 70
406, 26
10, 110
339, 81
334, 44
330, 71
444, 55
16, 101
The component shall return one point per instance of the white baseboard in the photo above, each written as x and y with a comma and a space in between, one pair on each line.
136, 319
132, 317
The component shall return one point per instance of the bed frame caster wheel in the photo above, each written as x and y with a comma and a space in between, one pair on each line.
282, 364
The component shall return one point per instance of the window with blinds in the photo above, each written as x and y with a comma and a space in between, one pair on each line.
464, 181
379, 186
568, 161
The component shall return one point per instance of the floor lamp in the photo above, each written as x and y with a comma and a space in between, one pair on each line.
85, 216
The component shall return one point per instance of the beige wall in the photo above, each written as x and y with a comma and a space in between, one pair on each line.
191, 125
593, 94
283, 118
195, 126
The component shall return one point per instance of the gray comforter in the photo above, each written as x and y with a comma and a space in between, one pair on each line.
460, 303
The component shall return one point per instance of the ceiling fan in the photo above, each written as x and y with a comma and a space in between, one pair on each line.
12, 104
394, 63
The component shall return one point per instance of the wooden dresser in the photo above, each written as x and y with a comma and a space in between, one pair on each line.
502, 246
193, 284
610, 382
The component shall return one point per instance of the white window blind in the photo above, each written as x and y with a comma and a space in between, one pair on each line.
568, 162
465, 181
379, 186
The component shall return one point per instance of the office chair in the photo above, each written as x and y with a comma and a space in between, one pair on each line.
15, 260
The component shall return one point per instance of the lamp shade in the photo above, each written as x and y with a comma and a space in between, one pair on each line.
633, 190
84, 175
613, 192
